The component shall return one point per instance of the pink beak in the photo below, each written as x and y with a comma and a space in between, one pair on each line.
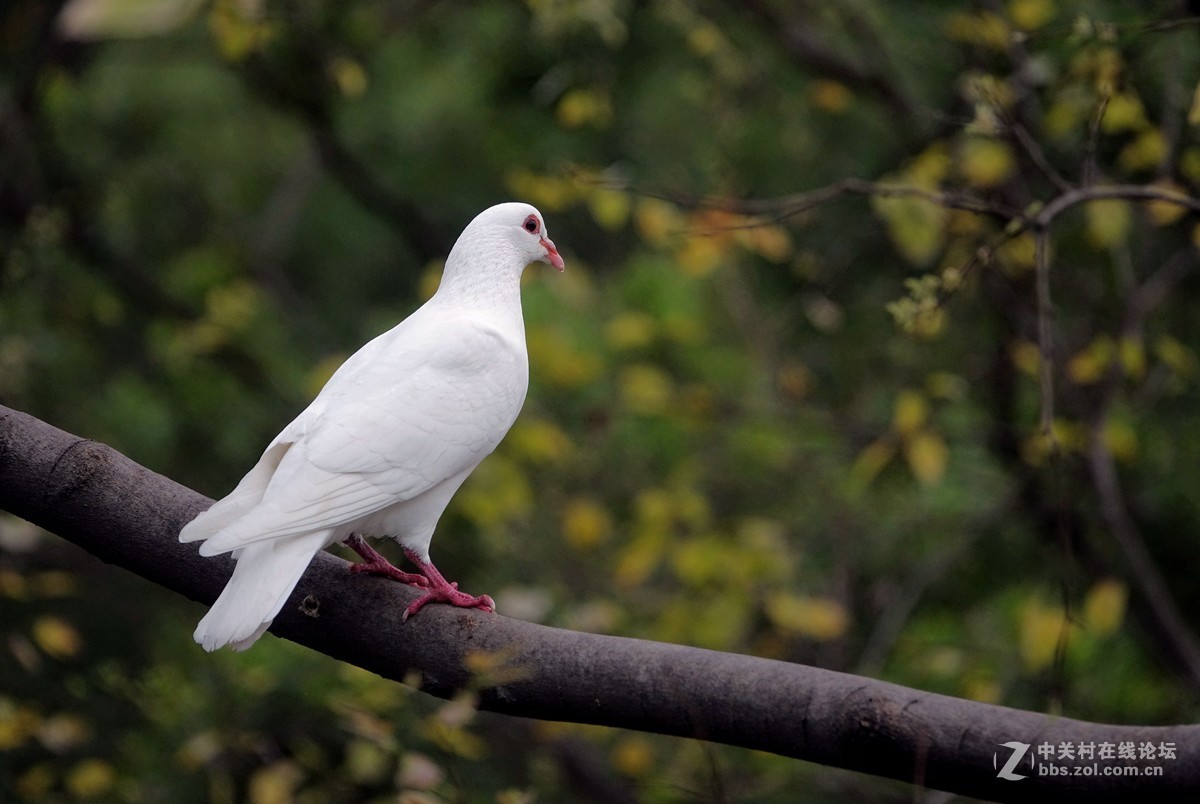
552, 255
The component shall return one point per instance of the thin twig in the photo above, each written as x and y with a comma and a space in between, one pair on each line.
1088, 169
1038, 156
1045, 332
1142, 570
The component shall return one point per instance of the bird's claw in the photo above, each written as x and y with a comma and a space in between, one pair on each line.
449, 594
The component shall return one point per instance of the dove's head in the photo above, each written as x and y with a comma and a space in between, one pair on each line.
519, 226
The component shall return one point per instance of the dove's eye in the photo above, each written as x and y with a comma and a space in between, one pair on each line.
531, 224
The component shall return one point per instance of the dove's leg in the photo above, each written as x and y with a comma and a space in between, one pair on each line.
439, 590
375, 564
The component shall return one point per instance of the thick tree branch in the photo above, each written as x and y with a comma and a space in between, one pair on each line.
129, 516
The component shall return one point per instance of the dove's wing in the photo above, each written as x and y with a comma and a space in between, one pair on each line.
390, 429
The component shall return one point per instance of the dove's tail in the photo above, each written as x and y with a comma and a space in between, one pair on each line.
266, 573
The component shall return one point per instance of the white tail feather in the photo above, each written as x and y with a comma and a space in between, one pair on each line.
266, 573
240, 501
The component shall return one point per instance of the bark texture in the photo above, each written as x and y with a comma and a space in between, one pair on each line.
127, 515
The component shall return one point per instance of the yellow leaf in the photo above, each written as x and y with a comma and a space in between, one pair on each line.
275, 783
705, 39
1193, 117
56, 637
1180, 359
985, 162
909, 412
633, 756
1064, 116
91, 778
984, 690
1104, 607
639, 559
927, 456
557, 363
818, 618
1164, 213
1189, 164
349, 76
985, 29
1124, 112
630, 330
1040, 629
584, 106
773, 243
1029, 15
239, 29
916, 226
831, 96
550, 193
871, 461
1145, 152
1133, 357
1026, 357
610, 208
656, 221
1018, 254
699, 256
1121, 440
586, 523
645, 389
367, 762
17, 724
539, 441
1091, 363
1108, 222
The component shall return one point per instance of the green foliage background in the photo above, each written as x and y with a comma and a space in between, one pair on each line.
811, 434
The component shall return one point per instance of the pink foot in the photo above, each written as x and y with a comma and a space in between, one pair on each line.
439, 590
375, 564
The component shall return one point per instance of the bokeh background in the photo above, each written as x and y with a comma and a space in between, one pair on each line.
809, 431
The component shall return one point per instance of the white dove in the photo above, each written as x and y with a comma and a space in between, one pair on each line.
387, 441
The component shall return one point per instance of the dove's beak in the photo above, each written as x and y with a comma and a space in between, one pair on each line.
552, 255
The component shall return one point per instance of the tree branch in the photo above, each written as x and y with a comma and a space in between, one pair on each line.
127, 515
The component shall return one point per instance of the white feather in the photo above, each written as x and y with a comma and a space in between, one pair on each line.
389, 439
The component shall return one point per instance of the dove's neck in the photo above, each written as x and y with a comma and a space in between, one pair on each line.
483, 274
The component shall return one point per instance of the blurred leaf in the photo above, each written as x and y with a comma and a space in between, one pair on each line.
1108, 222
57, 637
1040, 628
818, 618
986, 162
419, 772
927, 456
610, 208
633, 756
91, 778
986, 29
104, 19
645, 389
1164, 213
909, 412
1030, 15
275, 783
1091, 364
586, 523
1124, 112
1104, 607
